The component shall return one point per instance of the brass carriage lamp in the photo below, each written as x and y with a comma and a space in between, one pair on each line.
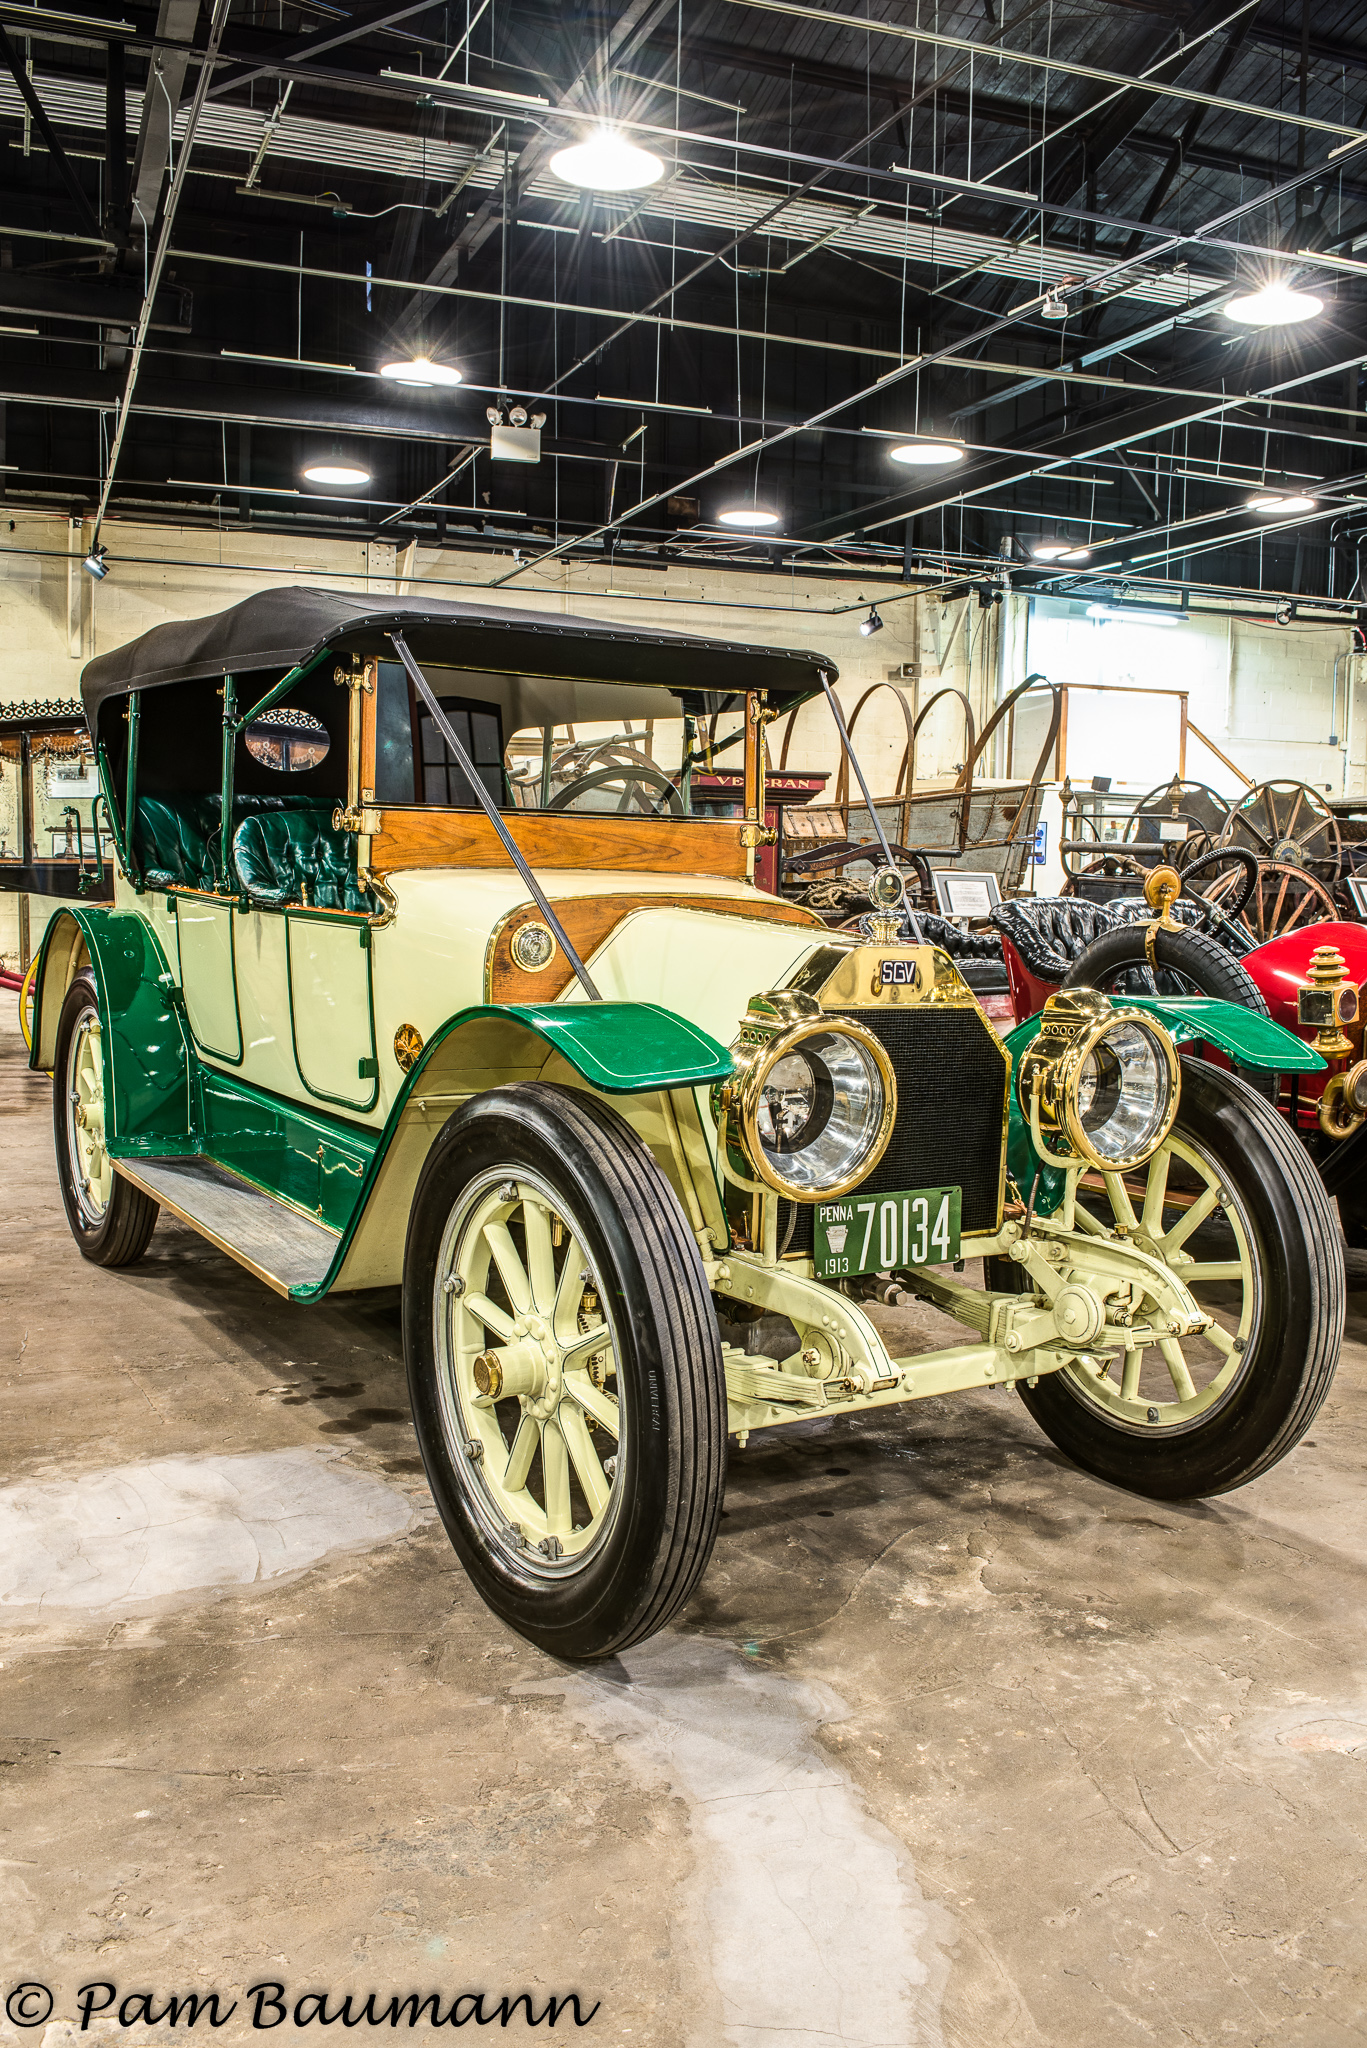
1097, 1085
1328, 1001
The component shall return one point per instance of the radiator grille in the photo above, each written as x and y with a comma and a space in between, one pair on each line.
951, 1106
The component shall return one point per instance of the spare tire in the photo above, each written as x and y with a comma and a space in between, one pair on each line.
1199, 961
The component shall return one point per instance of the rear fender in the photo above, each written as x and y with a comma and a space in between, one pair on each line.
145, 1050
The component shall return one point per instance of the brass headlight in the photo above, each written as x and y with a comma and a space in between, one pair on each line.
1106, 1080
814, 1099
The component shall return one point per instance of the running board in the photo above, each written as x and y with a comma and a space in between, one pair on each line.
270, 1239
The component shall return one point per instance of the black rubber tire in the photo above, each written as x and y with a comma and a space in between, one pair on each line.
669, 1349
1191, 954
124, 1231
1289, 1371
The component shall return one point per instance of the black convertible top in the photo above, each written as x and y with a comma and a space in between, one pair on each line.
277, 629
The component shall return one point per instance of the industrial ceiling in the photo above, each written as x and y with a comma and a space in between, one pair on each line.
1000, 237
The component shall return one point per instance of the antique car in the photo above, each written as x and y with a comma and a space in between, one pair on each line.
363, 1016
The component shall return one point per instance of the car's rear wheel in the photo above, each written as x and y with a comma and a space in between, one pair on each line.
565, 1369
111, 1220
1232, 1203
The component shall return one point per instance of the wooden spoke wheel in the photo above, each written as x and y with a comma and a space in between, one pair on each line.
1283, 897
565, 1369
1232, 1205
1290, 823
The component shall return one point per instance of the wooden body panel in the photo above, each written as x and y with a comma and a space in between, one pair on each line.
429, 838
588, 920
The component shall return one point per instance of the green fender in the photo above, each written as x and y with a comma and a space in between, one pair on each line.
1251, 1040
147, 1061
620, 1048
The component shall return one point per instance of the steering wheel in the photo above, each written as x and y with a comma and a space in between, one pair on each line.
626, 774
1221, 857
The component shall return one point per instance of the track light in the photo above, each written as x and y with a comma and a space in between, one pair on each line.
872, 624
95, 564
1275, 304
1055, 305
420, 370
607, 162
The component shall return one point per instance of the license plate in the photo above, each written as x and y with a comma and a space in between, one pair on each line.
879, 1233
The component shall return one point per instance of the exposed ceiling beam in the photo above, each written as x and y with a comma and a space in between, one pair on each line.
363, 21
1116, 429
160, 103
85, 212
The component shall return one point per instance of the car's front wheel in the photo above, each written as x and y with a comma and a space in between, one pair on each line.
1233, 1205
565, 1369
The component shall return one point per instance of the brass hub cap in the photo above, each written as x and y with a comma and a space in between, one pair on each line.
527, 1372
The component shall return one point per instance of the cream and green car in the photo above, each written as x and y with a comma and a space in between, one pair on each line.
436, 959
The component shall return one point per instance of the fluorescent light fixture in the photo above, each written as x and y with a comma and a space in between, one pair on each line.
505, 102
335, 473
872, 624
1275, 304
606, 162
1050, 550
647, 405
1136, 615
1076, 555
420, 370
1270, 503
95, 564
19, 15
32, 332
928, 454
749, 516
243, 355
192, 483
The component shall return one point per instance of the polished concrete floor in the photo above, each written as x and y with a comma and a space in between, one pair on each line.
954, 1746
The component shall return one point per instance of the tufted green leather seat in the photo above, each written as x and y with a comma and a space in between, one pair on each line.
295, 856
176, 838
173, 840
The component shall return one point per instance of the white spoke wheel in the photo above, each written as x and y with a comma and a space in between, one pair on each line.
110, 1219
565, 1369
1234, 1205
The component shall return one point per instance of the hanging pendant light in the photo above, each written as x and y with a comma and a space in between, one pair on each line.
606, 162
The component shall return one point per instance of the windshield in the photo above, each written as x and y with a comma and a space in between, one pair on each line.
670, 764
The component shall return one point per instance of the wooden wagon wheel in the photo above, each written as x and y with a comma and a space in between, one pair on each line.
1290, 823
1286, 895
